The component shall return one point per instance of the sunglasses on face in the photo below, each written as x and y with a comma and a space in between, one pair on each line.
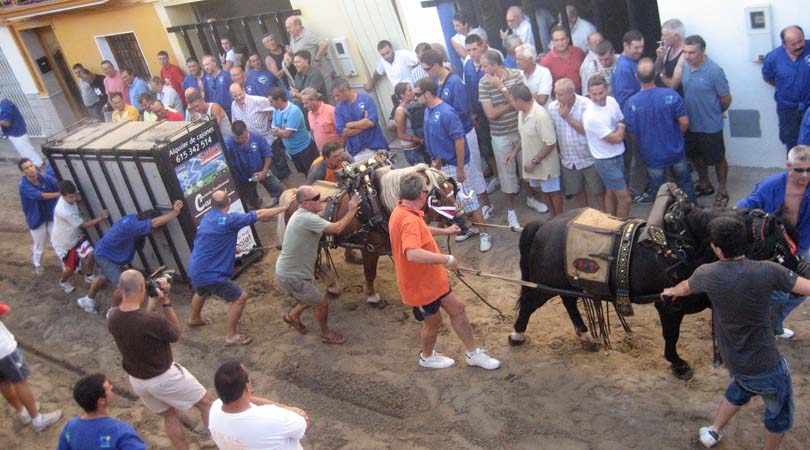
314, 199
800, 170
417, 94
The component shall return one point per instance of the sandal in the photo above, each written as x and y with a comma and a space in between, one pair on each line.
333, 338
295, 324
239, 340
721, 200
702, 191
205, 321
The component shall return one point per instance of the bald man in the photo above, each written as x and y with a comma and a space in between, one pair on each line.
787, 69
656, 118
295, 267
212, 261
255, 111
304, 39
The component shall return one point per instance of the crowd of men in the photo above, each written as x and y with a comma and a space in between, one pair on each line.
571, 120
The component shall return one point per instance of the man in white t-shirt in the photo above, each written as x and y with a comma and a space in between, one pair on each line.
68, 237
241, 421
604, 130
536, 77
396, 65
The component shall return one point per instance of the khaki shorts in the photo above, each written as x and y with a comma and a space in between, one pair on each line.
175, 388
575, 181
502, 146
305, 292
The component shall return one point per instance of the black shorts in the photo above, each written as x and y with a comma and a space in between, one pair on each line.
708, 146
303, 159
421, 313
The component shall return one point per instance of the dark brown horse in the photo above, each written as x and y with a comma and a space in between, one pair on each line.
368, 232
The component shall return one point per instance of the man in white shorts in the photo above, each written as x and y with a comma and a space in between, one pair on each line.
68, 238
144, 340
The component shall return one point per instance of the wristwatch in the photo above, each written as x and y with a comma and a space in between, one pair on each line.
167, 305
535, 162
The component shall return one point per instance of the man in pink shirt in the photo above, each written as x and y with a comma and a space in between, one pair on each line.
321, 118
565, 59
113, 81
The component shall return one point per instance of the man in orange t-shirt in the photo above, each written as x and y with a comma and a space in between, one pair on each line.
423, 282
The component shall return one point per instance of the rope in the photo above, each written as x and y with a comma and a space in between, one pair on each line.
464, 282
500, 227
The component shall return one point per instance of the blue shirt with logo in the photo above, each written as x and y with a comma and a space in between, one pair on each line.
190, 81
10, 113
38, 211
292, 118
792, 78
623, 80
371, 138
137, 88
442, 128
99, 433
702, 90
248, 158
472, 77
652, 116
214, 251
118, 243
218, 90
259, 82
453, 93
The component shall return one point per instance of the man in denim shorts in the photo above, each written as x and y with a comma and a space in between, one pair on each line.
740, 291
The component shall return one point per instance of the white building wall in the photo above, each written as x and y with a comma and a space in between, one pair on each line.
17, 62
420, 24
722, 24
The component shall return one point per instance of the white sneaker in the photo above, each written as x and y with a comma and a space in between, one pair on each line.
39, 270
66, 286
25, 416
88, 304
487, 211
493, 185
536, 205
480, 358
89, 279
435, 361
511, 217
46, 420
464, 235
486, 242
709, 437
787, 333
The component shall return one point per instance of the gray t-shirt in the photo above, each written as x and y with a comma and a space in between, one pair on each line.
300, 249
740, 292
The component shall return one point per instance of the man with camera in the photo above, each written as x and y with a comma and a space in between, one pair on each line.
144, 340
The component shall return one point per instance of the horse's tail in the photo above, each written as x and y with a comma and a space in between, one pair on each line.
281, 220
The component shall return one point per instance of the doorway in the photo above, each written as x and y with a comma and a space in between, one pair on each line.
61, 71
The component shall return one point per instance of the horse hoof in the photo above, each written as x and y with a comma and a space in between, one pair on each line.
590, 346
515, 342
682, 372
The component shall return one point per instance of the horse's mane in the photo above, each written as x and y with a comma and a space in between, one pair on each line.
389, 184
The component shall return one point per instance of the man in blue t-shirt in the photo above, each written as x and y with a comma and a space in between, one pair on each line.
115, 250
444, 139
656, 118
788, 69
259, 79
39, 193
212, 259
95, 428
251, 156
356, 121
217, 83
137, 87
289, 125
194, 75
13, 125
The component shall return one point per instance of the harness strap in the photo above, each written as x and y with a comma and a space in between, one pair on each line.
623, 305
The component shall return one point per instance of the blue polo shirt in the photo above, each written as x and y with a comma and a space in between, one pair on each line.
510, 62
472, 77
10, 113
213, 254
624, 80
442, 128
190, 81
137, 88
248, 158
652, 116
702, 90
259, 82
454, 94
371, 138
218, 90
118, 243
804, 129
792, 77
292, 118
38, 211
99, 433
769, 195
